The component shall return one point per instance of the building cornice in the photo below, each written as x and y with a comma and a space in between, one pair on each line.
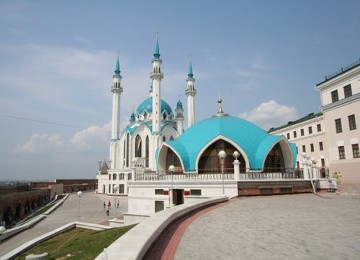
341, 102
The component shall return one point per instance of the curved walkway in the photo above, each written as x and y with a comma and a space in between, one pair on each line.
300, 226
91, 211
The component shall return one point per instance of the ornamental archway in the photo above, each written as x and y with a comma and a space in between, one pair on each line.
209, 161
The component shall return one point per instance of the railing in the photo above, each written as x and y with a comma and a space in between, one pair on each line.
249, 175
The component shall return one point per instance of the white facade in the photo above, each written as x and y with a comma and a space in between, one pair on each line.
335, 133
136, 145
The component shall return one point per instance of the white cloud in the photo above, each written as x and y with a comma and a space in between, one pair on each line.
39, 143
91, 137
270, 114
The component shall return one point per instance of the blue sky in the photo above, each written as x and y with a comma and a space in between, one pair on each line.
57, 59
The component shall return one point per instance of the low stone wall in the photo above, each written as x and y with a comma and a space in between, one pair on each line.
137, 241
261, 187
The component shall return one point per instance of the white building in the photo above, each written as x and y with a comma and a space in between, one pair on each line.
332, 136
150, 125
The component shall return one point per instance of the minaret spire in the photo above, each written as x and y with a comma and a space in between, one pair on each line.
190, 93
156, 75
179, 117
116, 90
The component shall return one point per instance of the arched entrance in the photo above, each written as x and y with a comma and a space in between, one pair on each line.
173, 159
210, 163
275, 160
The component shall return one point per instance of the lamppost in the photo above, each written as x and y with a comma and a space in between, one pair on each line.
222, 156
79, 195
236, 154
171, 170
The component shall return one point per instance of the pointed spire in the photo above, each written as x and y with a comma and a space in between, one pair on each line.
190, 73
157, 49
117, 66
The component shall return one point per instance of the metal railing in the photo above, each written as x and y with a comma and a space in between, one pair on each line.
216, 175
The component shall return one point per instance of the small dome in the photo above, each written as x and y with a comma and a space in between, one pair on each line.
146, 105
179, 105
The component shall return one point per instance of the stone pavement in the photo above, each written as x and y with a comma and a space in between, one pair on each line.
303, 226
91, 211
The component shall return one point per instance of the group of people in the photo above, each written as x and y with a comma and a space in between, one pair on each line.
109, 206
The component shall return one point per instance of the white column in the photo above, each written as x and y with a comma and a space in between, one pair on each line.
305, 167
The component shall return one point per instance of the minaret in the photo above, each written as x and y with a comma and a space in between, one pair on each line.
190, 93
156, 75
116, 89
179, 117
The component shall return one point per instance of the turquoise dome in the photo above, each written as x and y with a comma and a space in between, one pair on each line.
254, 141
146, 105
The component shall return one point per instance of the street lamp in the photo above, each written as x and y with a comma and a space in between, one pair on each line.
222, 156
79, 195
171, 170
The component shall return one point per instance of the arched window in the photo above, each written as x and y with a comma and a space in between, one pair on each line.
147, 151
274, 160
127, 149
164, 138
145, 115
164, 116
171, 138
173, 159
138, 144
123, 162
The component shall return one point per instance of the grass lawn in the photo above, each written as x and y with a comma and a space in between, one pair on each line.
77, 243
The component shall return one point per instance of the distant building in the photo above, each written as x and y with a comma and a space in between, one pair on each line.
331, 137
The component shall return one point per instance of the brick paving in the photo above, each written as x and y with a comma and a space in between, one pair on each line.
302, 226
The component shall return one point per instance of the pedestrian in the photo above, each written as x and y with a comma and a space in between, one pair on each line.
104, 204
109, 204
118, 204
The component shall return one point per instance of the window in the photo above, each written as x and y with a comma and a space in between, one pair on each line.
302, 132
341, 152
195, 192
312, 147
347, 91
294, 133
159, 191
334, 96
288, 136
310, 130
129, 176
318, 127
355, 149
321, 146
159, 206
322, 162
121, 176
138, 146
114, 176
338, 125
109, 177
121, 188
304, 149
147, 151
297, 150
352, 122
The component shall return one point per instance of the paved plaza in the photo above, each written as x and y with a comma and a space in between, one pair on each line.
303, 226
91, 211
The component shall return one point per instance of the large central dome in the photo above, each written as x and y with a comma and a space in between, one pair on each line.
146, 106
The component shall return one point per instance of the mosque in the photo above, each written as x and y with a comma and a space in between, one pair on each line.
154, 146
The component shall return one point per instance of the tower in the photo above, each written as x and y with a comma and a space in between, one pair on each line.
179, 117
190, 93
116, 90
156, 75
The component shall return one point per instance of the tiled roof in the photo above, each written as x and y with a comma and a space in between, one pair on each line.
254, 141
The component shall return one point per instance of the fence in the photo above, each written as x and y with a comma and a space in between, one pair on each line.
194, 176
